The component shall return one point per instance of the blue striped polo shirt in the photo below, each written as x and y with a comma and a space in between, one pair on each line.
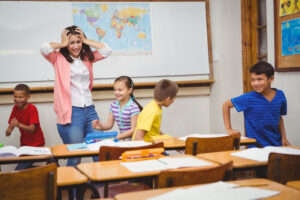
262, 116
123, 117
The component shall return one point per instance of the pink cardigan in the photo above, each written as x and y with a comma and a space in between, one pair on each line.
62, 93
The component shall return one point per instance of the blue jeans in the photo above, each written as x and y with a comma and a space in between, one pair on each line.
81, 124
24, 165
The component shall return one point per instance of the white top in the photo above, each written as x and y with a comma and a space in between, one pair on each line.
80, 77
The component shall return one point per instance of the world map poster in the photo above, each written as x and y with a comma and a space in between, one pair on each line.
126, 27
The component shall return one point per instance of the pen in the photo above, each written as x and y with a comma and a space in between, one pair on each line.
251, 185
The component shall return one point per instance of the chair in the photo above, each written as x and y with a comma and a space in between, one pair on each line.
190, 176
37, 183
194, 146
114, 153
283, 167
107, 153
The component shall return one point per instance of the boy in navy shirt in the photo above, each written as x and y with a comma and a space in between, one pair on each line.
263, 108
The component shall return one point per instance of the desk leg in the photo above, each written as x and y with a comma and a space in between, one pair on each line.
105, 190
261, 172
59, 194
88, 185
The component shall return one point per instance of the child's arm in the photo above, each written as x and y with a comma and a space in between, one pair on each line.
9, 130
104, 126
226, 117
139, 135
129, 133
16, 123
285, 141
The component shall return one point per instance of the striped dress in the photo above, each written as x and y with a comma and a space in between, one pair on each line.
123, 117
262, 116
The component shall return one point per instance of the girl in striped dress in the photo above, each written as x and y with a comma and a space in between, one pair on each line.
124, 110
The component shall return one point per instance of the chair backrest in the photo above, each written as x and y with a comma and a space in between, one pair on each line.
283, 167
190, 176
37, 183
194, 146
114, 153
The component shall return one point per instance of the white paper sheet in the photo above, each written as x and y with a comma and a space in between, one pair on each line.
184, 162
262, 154
216, 191
163, 164
145, 166
208, 135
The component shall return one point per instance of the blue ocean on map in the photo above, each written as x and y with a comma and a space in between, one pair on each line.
126, 27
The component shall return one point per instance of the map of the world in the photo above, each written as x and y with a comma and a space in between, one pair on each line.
125, 27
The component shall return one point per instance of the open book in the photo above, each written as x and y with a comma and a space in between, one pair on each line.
12, 151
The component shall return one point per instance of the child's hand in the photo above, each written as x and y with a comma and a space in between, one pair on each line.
14, 122
231, 131
8, 131
285, 142
96, 124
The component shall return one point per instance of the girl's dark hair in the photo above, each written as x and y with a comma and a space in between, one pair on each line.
85, 53
129, 84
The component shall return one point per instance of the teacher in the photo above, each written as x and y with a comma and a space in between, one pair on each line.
73, 66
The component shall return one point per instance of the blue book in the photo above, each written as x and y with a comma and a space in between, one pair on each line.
77, 146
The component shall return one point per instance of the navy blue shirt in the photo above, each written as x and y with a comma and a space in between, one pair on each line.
262, 116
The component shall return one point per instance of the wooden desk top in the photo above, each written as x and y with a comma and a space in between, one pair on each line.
225, 156
294, 184
67, 176
286, 193
175, 143
106, 171
61, 151
10, 160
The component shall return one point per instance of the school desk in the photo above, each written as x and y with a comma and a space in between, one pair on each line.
19, 159
113, 171
294, 184
69, 178
239, 164
177, 144
62, 152
286, 193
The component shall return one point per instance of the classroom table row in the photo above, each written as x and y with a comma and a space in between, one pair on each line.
113, 171
62, 152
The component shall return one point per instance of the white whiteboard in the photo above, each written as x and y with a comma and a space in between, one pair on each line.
179, 42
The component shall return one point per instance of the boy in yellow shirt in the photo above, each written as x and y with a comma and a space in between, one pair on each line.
149, 120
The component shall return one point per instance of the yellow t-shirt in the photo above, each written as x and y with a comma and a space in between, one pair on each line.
149, 120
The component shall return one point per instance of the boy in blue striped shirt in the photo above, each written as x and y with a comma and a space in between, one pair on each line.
263, 108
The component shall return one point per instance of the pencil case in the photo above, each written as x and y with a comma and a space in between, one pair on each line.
92, 137
142, 154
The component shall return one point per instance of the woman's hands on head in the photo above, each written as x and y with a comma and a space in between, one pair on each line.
65, 38
81, 35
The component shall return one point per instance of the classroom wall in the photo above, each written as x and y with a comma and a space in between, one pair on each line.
201, 113
286, 81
